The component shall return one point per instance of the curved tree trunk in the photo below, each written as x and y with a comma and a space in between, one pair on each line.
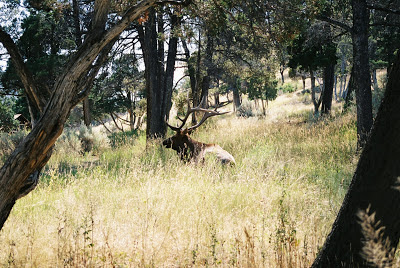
34, 151
374, 188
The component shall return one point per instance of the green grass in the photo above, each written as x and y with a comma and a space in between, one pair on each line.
140, 206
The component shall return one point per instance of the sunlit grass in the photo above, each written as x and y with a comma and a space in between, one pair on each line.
139, 205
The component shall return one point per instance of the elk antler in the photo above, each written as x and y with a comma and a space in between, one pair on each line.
207, 114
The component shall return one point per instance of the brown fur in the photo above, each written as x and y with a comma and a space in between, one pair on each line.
191, 150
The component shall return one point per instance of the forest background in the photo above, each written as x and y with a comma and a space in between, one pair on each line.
99, 77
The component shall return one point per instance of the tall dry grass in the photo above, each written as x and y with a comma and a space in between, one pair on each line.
140, 206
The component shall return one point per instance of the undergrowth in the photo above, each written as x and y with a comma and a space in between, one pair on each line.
138, 205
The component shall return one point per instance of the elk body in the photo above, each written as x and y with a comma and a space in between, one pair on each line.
191, 150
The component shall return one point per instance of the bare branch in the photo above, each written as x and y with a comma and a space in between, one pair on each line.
384, 9
337, 23
25, 75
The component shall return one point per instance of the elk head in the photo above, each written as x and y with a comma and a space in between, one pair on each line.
189, 149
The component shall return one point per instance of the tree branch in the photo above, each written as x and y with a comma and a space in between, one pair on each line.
384, 9
35, 98
335, 22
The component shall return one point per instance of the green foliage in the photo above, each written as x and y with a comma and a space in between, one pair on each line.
119, 91
180, 101
251, 214
81, 140
287, 88
246, 109
8, 142
312, 48
44, 45
7, 122
262, 87
118, 139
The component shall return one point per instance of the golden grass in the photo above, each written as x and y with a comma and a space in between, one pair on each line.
142, 207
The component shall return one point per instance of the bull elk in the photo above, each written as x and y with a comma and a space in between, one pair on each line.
191, 150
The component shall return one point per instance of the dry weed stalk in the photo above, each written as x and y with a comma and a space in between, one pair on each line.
376, 249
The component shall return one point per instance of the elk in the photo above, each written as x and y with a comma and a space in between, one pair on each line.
191, 150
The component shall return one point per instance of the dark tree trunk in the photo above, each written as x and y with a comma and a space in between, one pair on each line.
281, 71
362, 79
316, 102
349, 92
86, 112
375, 185
159, 82
205, 86
148, 38
34, 151
236, 94
191, 69
170, 69
329, 73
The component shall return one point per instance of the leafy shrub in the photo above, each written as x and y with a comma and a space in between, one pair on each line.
246, 109
81, 140
92, 141
68, 142
8, 142
7, 122
120, 138
180, 101
287, 88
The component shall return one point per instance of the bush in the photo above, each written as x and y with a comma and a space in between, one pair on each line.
287, 88
82, 140
118, 139
180, 101
7, 122
246, 109
8, 142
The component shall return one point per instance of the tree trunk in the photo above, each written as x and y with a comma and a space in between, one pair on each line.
349, 92
154, 93
159, 82
191, 70
236, 95
375, 185
316, 102
375, 80
362, 79
86, 112
205, 86
329, 73
170, 69
35, 150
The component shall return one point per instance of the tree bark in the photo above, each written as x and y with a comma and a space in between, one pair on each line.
349, 92
375, 185
236, 94
159, 81
35, 149
316, 102
191, 69
329, 73
205, 86
170, 69
362, 80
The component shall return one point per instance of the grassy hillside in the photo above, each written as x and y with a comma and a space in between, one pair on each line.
133, 206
